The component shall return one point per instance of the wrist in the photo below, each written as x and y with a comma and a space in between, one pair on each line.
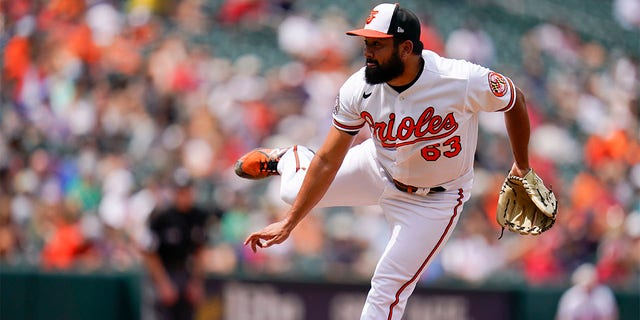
294, 216
520, 170
290, 222
522, 165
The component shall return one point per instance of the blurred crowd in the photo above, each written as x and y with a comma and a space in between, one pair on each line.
103, 100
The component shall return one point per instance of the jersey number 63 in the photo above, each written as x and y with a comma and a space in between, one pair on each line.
450, 148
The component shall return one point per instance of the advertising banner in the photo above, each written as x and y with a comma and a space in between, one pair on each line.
255, 300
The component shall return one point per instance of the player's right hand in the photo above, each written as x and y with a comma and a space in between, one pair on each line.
272, 234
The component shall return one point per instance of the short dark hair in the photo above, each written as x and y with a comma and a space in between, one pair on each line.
417, 44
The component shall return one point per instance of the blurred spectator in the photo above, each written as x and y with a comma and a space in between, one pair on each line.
587, 298
66, 246
557, 39
615, 265
477, 241
430, 36
471, 43
242, 11
627, 13
632, 228
9, 233
174, 256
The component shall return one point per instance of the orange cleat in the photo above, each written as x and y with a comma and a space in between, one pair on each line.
259, 163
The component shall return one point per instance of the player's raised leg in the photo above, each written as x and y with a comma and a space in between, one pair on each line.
360, 181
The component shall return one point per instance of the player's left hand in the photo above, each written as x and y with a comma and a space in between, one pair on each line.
526, 205
274, 233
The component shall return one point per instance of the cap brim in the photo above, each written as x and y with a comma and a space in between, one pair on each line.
368, 33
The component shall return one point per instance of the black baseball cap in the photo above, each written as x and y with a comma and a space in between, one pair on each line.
388, 20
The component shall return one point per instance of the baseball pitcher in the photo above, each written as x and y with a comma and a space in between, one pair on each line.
422, 111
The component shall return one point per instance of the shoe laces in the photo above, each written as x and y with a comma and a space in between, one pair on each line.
270, 166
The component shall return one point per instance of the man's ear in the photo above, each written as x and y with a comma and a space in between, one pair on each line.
406, 48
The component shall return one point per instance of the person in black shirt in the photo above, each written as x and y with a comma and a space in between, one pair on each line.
174, 257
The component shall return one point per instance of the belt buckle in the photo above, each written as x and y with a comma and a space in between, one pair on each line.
422, 191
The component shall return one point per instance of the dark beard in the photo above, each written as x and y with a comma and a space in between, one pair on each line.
385, 72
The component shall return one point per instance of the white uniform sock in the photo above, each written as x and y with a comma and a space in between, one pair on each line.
293, 168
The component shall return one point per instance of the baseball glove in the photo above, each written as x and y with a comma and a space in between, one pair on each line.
525, 205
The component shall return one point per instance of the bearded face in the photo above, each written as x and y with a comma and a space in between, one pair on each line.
380, 72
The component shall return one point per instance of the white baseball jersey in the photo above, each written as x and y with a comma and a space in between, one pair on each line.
426, 136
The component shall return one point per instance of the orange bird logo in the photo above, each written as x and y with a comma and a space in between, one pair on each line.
371, 16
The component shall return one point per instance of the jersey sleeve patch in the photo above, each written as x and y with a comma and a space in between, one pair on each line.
498, 84
344, 119
512, 98
336, 107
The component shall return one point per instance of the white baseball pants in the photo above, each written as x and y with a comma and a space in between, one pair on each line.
420, 225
